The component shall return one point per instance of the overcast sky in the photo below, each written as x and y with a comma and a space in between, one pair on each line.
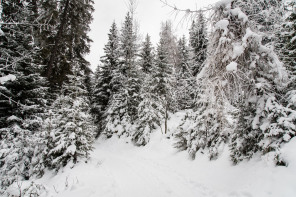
149, 14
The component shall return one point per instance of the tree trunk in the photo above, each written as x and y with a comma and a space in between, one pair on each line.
57, 41
166, 119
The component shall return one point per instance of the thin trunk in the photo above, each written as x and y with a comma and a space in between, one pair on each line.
166, 119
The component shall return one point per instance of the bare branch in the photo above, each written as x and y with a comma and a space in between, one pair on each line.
187, 14
132, 6
187, 11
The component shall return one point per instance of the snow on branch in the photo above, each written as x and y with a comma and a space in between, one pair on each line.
6, 78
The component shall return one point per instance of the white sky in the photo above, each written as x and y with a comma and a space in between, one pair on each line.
149, 14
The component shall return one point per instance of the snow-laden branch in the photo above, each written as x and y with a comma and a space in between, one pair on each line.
6, 78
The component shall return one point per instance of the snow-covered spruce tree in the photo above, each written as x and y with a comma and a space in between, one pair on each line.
71, 132
147, 56
150, 113
129, 50
117, 121
150, 107
198, 43
102, 89
163, 75
40, 161
185, 86
169, 47
121, 112
22, 98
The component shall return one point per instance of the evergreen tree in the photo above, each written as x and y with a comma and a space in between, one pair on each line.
198, 43
121, 112
185, 79
71, 136
150, 113
22, 99
147, 56
163, 82
70, 40
150, 107
169, 43
103, 89
167, 58
128, 50
117, 120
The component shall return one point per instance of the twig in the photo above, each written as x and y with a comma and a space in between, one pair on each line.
188, 11
55, 189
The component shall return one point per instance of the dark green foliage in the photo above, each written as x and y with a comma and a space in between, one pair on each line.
245, 140
70, 39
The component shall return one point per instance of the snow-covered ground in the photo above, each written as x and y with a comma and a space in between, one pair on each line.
119, 169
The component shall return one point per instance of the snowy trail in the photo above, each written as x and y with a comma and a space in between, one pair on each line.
142, 177
125, 171
119, 169
133, 174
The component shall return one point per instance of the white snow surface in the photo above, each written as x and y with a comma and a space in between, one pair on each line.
117, 168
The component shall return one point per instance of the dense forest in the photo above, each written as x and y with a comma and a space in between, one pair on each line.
234, 76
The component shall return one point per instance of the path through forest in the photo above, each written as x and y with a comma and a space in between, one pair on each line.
119, 169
